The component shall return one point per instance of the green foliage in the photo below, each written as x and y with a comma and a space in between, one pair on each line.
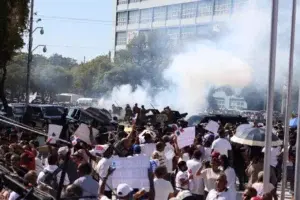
13, 23
142, 62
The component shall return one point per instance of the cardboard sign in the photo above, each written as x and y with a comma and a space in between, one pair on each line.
186, 137
83, 133
131, 170
54, 132
212, 126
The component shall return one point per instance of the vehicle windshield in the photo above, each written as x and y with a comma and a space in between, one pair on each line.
53, 111
19, 110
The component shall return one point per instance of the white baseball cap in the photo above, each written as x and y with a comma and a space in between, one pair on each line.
123, 190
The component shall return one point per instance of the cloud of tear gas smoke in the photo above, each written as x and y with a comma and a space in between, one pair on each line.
238, 58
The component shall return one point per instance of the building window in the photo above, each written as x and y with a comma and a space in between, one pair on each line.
133, 17
122, 2
203, 31
174, 12
188, 32
205, 8
159, 14
121, 38
189, 10
173, 33
146, 16
134, 1
222, 7
239, 4
121, 18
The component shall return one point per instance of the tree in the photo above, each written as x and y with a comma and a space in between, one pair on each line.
59, 60
13, 23
212, 103
255, 98
144, 60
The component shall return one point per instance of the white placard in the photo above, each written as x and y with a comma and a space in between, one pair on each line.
148, 149
83, 133
54, 132
186, 137
212, 126
131, 170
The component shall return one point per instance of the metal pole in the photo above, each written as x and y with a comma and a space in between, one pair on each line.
29, 52
297, 169
270, 100
288, 101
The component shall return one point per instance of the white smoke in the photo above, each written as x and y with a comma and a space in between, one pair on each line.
240, 57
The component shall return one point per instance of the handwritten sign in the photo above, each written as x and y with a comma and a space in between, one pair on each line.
131, 170
212, 126
83, 133
186, 137
53, 133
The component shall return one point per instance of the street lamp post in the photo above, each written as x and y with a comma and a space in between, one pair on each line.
29, 51
30, 40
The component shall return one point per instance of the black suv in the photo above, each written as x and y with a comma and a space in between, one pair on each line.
40, 115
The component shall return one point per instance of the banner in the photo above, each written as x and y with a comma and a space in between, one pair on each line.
212, 126
53, 133
186, 137
131, 170
83, 133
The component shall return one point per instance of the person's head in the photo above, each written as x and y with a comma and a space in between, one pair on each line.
249, 193
160, 146
136, 149
222, 133
224, 161
182, 166
136, 105
160, 172
62, 152
52, 159
84, 169
148, 138
30, 178
124, 191
73, 191
166, 138
15, 160
221, 183
260, 177
143, 106
25, 159
197, 154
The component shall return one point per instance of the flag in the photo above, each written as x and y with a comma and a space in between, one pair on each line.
101, 148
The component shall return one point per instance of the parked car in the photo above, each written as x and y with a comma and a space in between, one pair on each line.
40, 115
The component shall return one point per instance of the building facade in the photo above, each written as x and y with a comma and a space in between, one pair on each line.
179, 19
230, 102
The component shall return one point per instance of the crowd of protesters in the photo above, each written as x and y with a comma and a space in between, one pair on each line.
213, 168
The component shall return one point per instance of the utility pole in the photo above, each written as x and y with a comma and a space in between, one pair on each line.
29, 59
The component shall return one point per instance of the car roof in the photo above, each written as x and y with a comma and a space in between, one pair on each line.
45, 105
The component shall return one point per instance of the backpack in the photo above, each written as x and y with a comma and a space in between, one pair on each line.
50, 178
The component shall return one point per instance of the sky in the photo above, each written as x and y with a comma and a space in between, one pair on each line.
74, 28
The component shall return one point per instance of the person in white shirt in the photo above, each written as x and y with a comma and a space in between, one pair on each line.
163, 188
183, 177
197, 182
230, 174
160, 154
259, 186
220, 192
51, 167
275, 152
222, 145
169, 153
102, 167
